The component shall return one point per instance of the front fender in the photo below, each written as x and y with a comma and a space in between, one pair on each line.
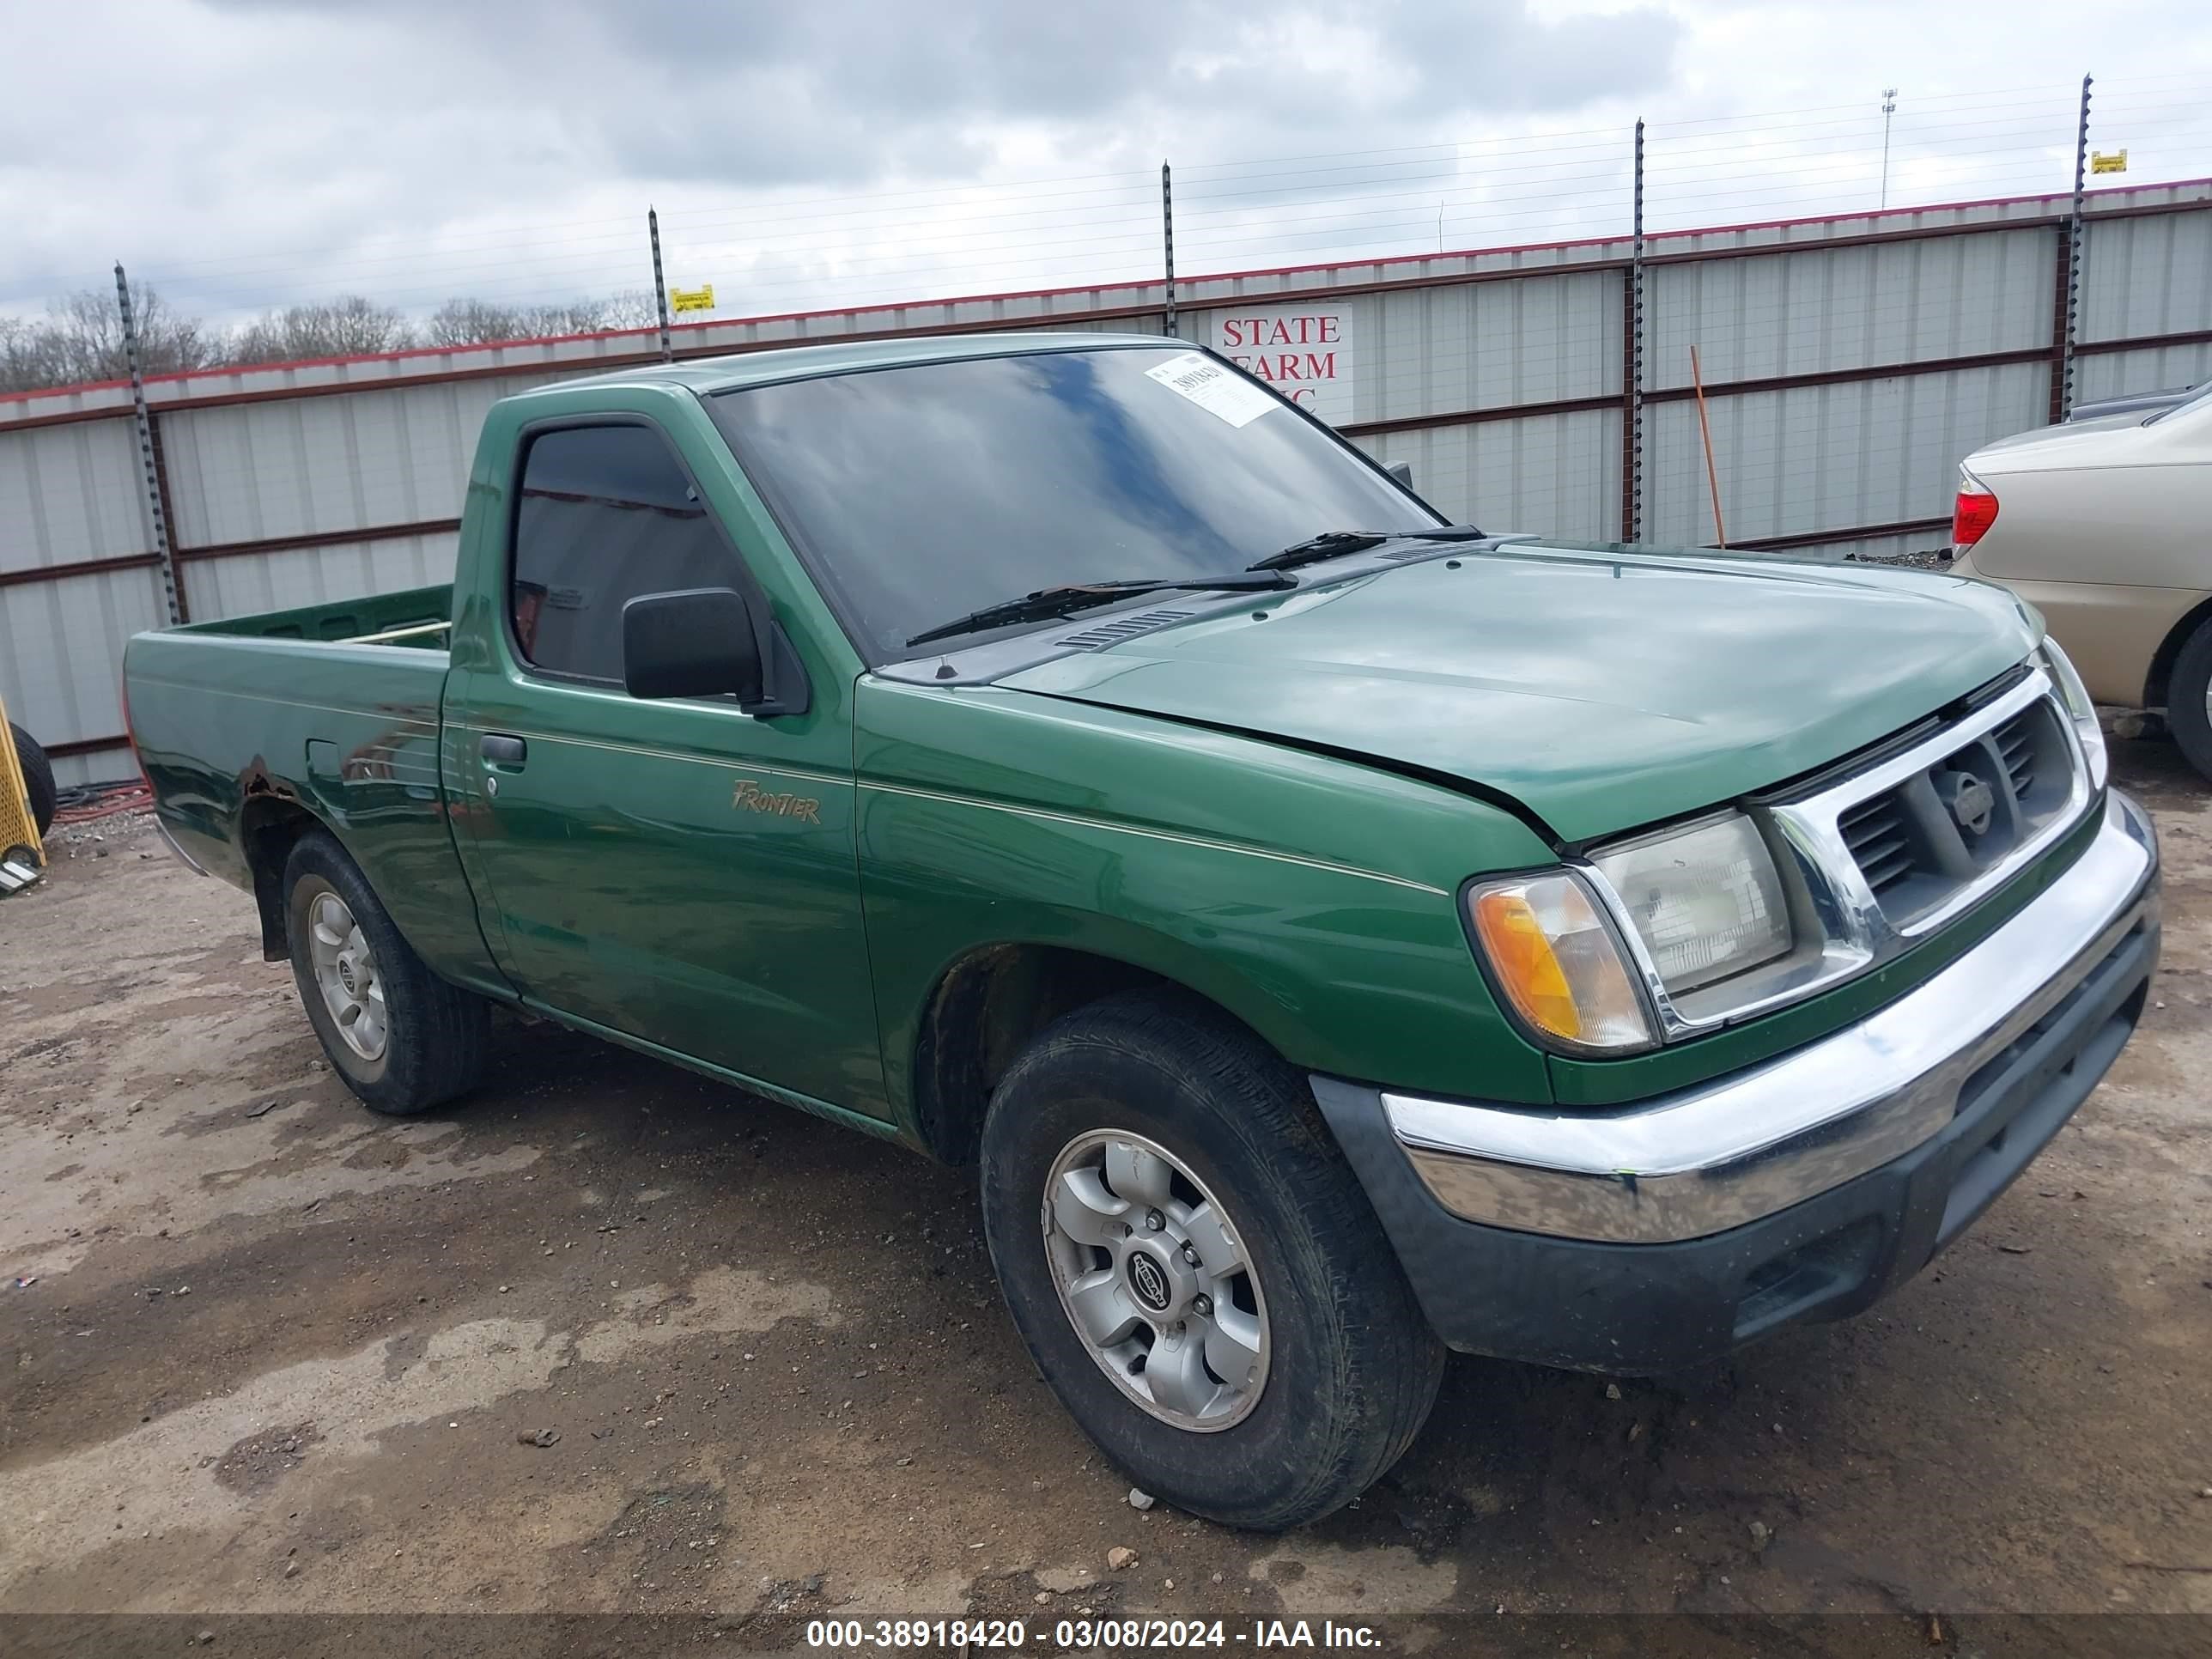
1349, 962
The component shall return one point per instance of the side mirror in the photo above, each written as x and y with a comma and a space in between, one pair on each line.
696, 643
1402, 472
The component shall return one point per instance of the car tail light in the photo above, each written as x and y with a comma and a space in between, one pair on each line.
1974, 512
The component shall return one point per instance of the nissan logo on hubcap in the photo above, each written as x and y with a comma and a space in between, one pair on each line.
1972, 802
1148, 1283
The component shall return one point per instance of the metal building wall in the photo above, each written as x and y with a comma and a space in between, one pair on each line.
1441, 367
265, 497
295, 576
1849, 362
69, 497
2146, 278
1793, 460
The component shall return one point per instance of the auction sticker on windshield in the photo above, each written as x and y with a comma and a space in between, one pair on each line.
1213, 388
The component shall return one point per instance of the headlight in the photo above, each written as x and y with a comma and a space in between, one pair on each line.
2078, 709
1705, 901
1558, 963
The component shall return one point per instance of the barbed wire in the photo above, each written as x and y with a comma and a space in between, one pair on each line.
928, 241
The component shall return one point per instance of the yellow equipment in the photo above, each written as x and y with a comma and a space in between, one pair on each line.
23, 855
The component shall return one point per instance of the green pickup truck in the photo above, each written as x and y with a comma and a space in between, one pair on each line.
1332, 934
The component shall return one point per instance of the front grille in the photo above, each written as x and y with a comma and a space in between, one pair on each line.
1882, 847
2016, 745
1964, 819
1880, 837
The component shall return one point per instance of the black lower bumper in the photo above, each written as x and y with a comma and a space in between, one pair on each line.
1637, 1309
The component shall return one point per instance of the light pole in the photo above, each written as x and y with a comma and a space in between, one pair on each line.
1889, 109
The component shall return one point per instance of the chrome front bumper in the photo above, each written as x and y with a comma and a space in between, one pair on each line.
1744, 1146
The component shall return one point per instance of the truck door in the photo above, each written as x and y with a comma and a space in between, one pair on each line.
679, 871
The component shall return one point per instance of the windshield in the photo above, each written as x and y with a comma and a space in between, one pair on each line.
919, 493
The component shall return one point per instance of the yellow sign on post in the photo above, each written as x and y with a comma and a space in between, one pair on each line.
2116, 162
692, 299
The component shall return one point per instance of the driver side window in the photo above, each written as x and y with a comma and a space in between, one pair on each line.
605, 514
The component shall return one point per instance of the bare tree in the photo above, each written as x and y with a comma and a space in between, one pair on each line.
477, 322
81, 340
630, 307
347, 326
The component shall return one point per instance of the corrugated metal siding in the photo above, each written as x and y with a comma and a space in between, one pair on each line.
1818, 310
312, 465
61, 659
2115, 373
1814, 458
70, 493
2146, 277
1550, 475
295, 576
1479, 345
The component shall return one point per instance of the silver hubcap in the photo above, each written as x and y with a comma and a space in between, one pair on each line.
346, 974
1156, 1280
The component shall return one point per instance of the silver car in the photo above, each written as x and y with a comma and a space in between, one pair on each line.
2106, 526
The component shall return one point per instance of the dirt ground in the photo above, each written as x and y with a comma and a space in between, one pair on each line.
274, 1354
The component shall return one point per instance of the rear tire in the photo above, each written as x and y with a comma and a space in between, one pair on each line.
2186, 715
38, 777
1347, 1368
402, 1039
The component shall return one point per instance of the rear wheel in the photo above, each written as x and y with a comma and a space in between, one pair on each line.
1194, 1269
37, 776
403, 1040
2187, 694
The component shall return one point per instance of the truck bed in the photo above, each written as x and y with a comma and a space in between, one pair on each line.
332, 709
418, 617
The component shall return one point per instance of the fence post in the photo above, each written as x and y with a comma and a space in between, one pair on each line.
2062, 392
156, 510
659, 287
1167, 238
1632, 365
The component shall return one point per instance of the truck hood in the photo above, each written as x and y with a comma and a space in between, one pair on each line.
1602, 687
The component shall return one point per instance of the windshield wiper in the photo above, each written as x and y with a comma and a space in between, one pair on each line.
1335, 543
1065, 601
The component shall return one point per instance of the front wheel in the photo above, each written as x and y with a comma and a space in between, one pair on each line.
2188, 699
403, 1040
1194, 1269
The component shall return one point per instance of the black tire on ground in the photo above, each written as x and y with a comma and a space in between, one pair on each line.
2185, 714
1353, 1367
37, 776
434, 1036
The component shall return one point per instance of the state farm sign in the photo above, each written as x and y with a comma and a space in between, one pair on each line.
1304, 352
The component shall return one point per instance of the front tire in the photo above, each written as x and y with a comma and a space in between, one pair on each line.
2186, 693
1194, 1269
402, 1039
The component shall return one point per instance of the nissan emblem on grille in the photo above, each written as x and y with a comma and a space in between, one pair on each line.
1972, 803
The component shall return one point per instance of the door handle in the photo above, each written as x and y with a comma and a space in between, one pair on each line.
502, 749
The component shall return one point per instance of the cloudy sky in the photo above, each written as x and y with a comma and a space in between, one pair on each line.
244, 154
